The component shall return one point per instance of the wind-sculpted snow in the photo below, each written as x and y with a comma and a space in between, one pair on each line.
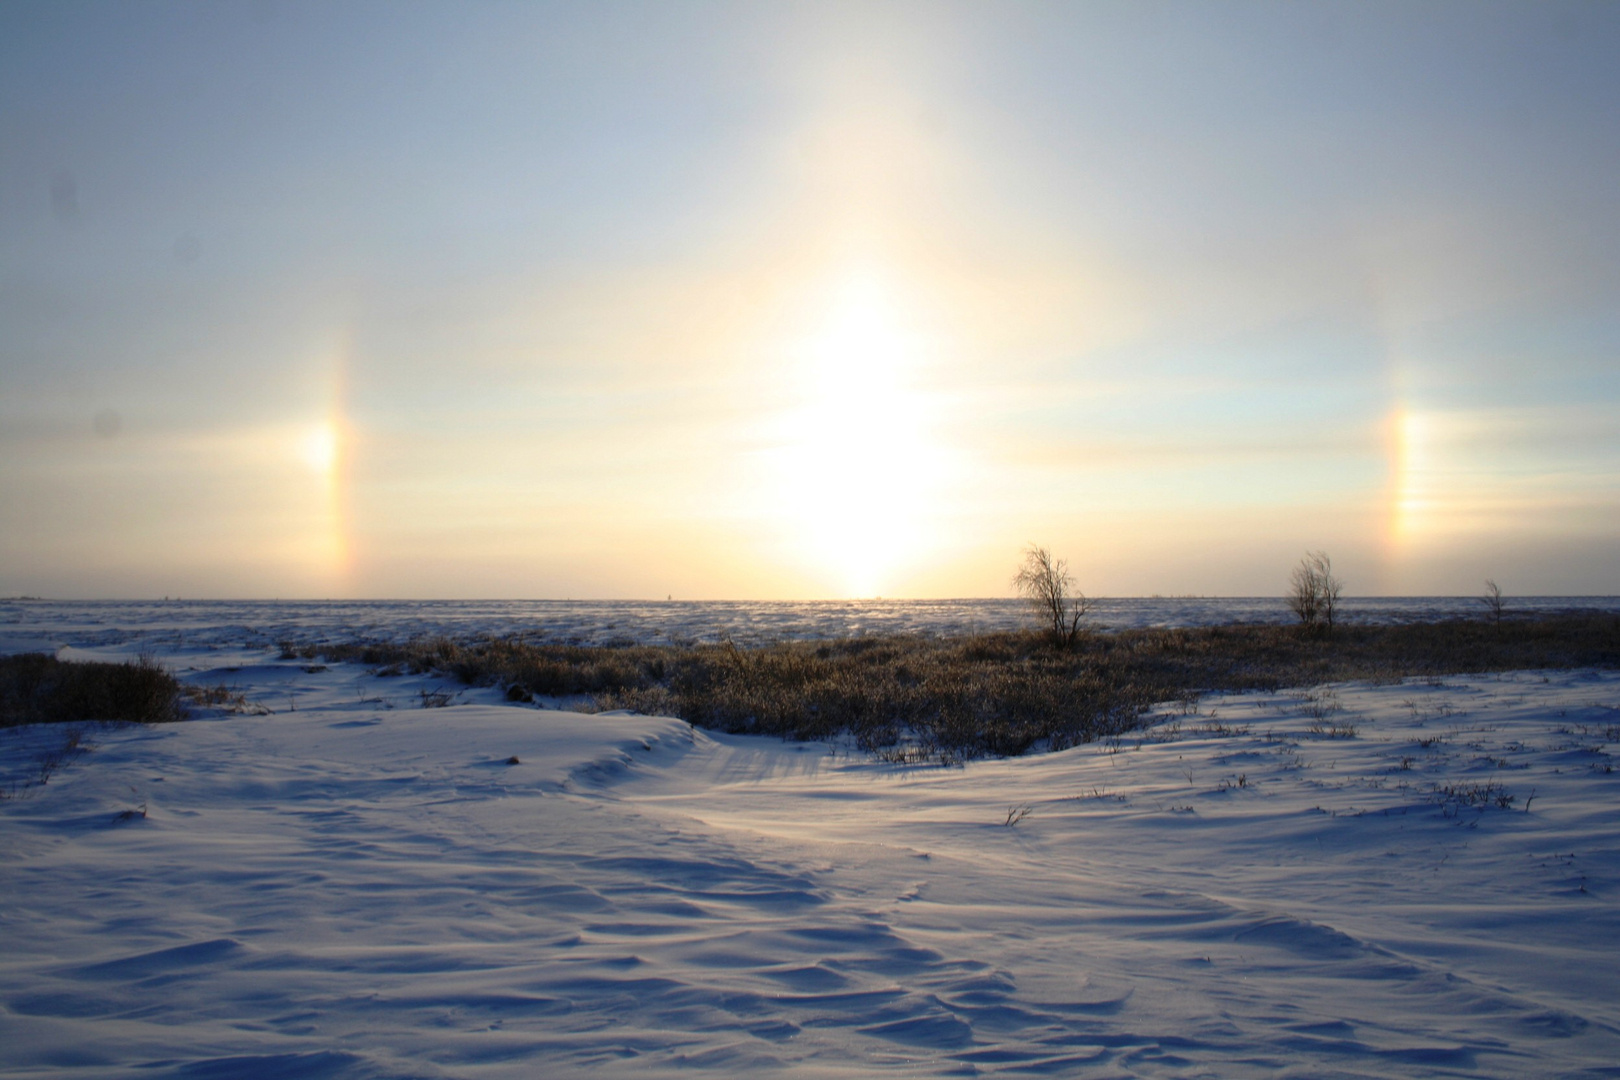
28, 625
1399, 880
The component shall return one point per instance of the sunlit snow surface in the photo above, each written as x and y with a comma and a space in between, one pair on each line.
354, 886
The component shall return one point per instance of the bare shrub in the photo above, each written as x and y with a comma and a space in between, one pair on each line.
1314, 591
39, 689
1492, 601
1046, 584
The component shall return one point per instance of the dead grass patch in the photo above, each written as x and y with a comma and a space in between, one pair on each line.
947, 699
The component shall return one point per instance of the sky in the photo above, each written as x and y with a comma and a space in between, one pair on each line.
806, 300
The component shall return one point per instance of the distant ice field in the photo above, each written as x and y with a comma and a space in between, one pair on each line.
42, 624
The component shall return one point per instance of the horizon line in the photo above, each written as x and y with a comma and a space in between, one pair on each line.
732, 600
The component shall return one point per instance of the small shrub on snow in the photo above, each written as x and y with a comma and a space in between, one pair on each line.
1046, 584
1314, 591
40, 689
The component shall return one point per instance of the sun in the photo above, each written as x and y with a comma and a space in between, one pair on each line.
318, 448
324, 450
857, 468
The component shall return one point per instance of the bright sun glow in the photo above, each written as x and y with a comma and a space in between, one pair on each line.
1411, 499
323, 449
857, 469
318, 448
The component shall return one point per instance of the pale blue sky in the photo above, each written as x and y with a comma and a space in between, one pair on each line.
806, 299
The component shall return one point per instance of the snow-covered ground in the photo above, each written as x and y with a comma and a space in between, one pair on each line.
352, 885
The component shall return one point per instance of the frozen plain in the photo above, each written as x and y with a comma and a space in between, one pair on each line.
350, 885
31, 624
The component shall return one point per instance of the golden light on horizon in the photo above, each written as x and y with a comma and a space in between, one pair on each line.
325, 449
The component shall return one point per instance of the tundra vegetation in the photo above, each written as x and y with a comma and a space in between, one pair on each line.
952, 698
40, 689
906, 697
36, 689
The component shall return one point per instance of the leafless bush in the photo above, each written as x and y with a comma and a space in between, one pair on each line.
1046, 584
1492, 601
39, 689
1314, 594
